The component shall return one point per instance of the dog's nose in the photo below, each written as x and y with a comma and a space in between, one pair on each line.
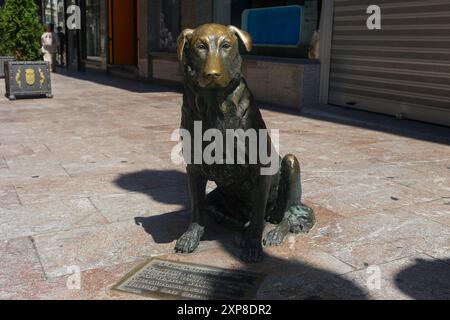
212, 74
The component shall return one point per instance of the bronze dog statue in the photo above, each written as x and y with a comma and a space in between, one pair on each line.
217, 95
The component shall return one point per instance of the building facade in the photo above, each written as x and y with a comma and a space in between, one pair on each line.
401, 69
137, 39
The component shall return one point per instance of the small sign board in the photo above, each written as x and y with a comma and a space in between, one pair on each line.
27, 79
161, 279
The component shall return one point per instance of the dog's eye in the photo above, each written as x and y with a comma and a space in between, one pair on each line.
201, 47
226, 46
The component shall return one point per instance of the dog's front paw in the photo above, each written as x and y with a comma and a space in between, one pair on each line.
274, 238
190, 240
252, 251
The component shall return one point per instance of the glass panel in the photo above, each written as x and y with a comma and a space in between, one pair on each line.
54, 12
282, 28
60, 32
169, 25
222, 11
274, 26
48, 12
93, 33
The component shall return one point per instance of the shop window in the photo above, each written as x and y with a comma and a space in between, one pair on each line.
169, 25
279, 28
54, 12
275, 26
93, 32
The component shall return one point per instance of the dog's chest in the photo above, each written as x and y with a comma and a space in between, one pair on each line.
224, 116
225, 175
228, 121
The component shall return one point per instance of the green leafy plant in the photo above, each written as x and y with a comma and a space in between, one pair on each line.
20, 30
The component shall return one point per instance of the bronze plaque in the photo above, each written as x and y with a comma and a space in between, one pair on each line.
163, 279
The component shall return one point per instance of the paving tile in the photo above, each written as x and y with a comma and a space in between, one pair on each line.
8, 197
95, 284
406, 150
311, 284
418, 277
104, 166
105, 245
152, 202
19, 263
381, 237
14, 151
377, 171
52, 189
438, 211
294, 255
362, 196
36, 166
305, 273
37, 290
296, 270
88, 175
317, 155
3, 164
432, 177
153, 178
15, 133
46, 217
7, 175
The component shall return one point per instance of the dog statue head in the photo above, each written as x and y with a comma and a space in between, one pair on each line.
209, 55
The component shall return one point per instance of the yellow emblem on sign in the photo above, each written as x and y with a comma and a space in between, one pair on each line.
30, 77
42, 77
18, 74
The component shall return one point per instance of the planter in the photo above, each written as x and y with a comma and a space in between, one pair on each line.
2, 63
27, 79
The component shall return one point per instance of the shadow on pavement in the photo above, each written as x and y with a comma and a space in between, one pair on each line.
164, 186
329, 113
426, 280
286, 279
334, 114
136, 86
371, 121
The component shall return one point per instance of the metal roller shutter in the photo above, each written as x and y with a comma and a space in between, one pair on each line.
402, 69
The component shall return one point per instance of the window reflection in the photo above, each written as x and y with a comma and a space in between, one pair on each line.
169, 24
282, 28
54, 12
93, 36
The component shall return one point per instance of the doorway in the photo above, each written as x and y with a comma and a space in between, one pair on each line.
122, 33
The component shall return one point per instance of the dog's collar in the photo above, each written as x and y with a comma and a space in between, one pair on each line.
191, 86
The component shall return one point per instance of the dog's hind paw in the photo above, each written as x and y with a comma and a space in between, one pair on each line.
190, 240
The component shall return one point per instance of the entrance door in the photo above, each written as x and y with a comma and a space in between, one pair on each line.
123, 32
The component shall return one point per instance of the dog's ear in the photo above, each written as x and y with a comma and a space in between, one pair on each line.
244, 36
182, 41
